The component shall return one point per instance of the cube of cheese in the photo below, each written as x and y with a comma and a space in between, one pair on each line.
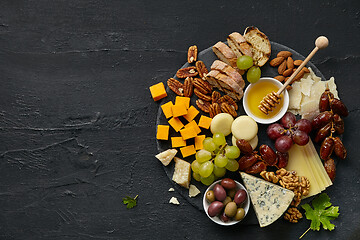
187, 133
182, 100
158, 91
187, 151
199, 142
162, 132
194, 125
177, 142
176, 124
179, 110
166, 156
204, 122
167, 109
182, 173
192, 113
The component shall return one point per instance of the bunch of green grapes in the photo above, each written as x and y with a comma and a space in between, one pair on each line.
214, 159
247, 63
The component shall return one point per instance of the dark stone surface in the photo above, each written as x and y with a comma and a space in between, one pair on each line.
77, 123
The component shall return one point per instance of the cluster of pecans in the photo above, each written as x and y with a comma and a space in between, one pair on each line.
289, 180
327, 123
286, 66
208, 101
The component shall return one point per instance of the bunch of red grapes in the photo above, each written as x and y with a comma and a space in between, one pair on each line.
289, 131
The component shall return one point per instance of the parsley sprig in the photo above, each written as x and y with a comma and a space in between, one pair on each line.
130, 202
322, 213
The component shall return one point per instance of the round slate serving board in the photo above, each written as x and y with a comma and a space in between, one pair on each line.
208, 57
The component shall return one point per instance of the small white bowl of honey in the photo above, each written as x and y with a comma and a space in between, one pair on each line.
255, 92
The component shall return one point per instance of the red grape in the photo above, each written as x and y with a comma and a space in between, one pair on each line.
288, 120
303, 125
275, 131
300, 138
283, 144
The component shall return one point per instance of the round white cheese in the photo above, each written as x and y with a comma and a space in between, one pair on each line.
244, 127
221, 123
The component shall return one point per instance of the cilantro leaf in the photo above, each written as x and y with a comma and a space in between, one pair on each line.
322, 213
130, 202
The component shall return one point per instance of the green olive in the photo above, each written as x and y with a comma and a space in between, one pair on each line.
227, 200
210, 196
240, 214
230, 209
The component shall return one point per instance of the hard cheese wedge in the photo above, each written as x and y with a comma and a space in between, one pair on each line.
270, 201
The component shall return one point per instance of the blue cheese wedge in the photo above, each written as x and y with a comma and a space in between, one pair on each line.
270, 201
182, 173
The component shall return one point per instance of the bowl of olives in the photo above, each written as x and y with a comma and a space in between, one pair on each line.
226, 202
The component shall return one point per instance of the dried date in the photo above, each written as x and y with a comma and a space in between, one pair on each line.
330, 168
247, 161
244, 146
338, 124
339, 107
258, 167
268, 155
327, 147
339, 148
282, 159
324, 103
321, 120
323, 133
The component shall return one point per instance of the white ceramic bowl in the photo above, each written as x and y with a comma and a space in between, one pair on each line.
277, 116
216, 219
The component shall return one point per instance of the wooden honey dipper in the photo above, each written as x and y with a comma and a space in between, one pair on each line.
273, 98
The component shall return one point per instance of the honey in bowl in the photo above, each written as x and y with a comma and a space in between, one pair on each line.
255, 93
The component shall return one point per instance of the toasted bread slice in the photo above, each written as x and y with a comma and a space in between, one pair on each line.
229, 71
229, 86
211, 78
260, 44
225, 54
239, 45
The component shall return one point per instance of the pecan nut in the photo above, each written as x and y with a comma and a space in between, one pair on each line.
176, 86
229, 100
186, 72
215, 96
202, 86
201, 68
188, 87
192, 54
203, 105
201, 95
226, 108
214, 110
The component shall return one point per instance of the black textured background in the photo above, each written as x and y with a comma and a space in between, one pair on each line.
77, 123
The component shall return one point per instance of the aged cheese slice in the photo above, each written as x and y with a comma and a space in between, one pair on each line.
305, 85
174, 200
295, 96
313, 76
270, 201
193, 191
166, 156
182, 173
298, 163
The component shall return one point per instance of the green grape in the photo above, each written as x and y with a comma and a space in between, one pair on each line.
244, 62
219, 171
219, 139
195, 165
209, 144
232, 165
196, 176
203, 156
206, 169
220, 160
232, 152
253, 74
208, 180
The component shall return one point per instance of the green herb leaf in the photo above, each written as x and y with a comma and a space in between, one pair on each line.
322, 213
130, 202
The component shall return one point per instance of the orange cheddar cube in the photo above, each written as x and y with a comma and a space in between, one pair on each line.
187, 151
176, 124
191, 114
167, 109
179, 110
188, 133
199, 142
204, 122
158, 91
177, 142
162, 132
194, 125
182, 100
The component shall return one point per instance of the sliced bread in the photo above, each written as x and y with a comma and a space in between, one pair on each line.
260, 44
225, 54
239, 45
